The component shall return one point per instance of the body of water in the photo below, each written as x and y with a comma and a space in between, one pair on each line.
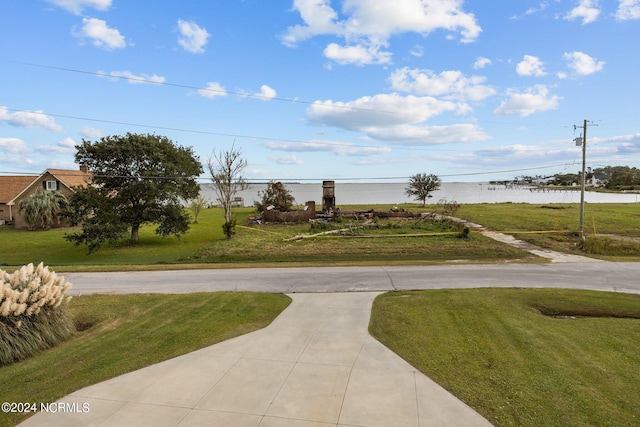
461, 192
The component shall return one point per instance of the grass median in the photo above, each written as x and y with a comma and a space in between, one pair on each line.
121, 333
523, 357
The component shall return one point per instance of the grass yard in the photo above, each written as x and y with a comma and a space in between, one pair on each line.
599, 218
602, 223
523, 357
205, 246
122, 333
392, 242
22, 247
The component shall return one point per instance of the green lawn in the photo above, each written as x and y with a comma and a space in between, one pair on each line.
556, 226
122, 333
205, 246
49, 246
523, 357
599, 218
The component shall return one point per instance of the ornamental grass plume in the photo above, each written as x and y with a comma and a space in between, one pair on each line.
33, 312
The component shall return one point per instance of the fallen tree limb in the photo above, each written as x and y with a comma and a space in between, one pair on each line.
325, 233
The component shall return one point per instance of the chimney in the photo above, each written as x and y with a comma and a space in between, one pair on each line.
328, 195
84, 168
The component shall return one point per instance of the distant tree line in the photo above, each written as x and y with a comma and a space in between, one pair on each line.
620, 177
617, 178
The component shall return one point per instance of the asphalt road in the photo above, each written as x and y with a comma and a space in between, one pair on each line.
606, 276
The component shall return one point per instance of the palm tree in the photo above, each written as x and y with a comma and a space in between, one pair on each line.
43, 208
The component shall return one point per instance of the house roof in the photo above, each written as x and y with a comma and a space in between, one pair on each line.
13, 186
71, 178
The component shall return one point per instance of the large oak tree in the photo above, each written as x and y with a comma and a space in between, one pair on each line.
136, 179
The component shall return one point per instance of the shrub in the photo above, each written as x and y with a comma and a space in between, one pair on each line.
229, 228
33, 312
447, 207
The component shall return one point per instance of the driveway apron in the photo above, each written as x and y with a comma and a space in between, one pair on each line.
315, 365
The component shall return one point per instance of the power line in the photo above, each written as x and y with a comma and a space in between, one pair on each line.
257, 181
234, 135
207, 89
224, 91
231, 135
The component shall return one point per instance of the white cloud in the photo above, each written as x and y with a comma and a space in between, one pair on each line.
102, 36
67, 143
212, 90
91, 133
318, 16
303, 147
542, 6
395, 119
448, 84
368, 25
266, 93
628, 10
377, 111
77, 6
583, 64
563, 151
385, 18
136, 79
356, 151
518, 154
481, 63
532, 10
291, 159
192, 38
335, 147
398, 119
429, 135
629, 144
618, 145
29, 119
587, 10
13, 145
534, 100
358, 54
65, 146
417, 51
511, 150
530, 66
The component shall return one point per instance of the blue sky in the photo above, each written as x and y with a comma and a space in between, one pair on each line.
319, 89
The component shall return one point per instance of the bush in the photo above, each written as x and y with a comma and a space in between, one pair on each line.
33, 312
465, 233
229, 228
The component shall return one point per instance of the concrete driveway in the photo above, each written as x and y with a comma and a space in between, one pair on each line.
316, 364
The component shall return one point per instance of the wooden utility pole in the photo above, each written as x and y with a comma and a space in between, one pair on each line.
584, 178
583, 140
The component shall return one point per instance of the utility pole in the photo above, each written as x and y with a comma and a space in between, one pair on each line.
582, 140
584, 178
